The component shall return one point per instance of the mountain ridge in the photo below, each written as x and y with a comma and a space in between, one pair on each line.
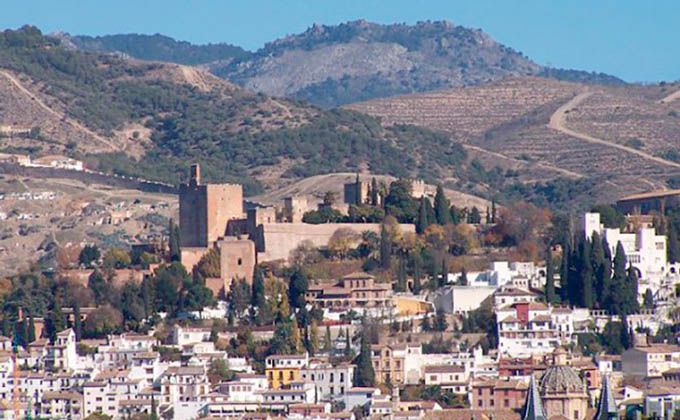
332, 65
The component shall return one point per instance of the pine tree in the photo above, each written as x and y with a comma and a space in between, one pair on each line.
364, 375
441, 207
327, 345
374, 192
673, 245
549, 276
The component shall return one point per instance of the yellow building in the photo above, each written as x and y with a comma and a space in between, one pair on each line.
281, 370
411, 305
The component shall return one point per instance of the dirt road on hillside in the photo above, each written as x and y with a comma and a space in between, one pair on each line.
61, 116
558, 119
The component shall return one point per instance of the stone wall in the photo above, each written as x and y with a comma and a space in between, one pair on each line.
190, 256
281, 238
205, 210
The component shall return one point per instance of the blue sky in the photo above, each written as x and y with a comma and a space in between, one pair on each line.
635, 40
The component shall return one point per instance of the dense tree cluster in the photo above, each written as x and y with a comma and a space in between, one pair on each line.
591, 277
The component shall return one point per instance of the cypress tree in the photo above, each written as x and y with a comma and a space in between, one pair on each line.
445, 273
455, 218
77, 324
564, 274
586, 275
174, 241
417, 273
314, 338
385, 249
348, 343
441, 207
549, 277
626, 339
463, 280
673, 245
31, 330
618, 293
422, 223
631, 301
400, 286
327, 345
374, 192
493, 211
6, 328
364, 375
604, 275
474, 217
488, 216
357, 191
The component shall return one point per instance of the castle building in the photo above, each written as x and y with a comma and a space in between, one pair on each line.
205, 210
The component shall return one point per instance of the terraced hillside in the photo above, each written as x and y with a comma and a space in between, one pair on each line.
618, 139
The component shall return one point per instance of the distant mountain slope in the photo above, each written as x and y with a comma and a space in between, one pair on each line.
153, 119
155, 48
609, 140
331, 65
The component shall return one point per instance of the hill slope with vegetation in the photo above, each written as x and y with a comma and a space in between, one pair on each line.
182, 115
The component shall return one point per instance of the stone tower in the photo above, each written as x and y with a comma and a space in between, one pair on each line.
205, 210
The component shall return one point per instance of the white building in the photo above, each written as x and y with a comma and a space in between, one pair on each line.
330, 381
528, 328
460, 299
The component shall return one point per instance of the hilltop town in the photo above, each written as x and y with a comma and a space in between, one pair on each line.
498, 241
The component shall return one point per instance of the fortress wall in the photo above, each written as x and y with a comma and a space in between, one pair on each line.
281, 238
224, 202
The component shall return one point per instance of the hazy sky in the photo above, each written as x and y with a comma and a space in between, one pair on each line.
635, 40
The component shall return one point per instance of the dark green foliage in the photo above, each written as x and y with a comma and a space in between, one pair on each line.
56, 322
440, 323
425, 215
446, 399
159, 48
299, 283
648, 301
324, 215
88, 255
610, 217
77, 323
239, 298
399, 202
31, 330
327, 345
218, 131
474, 217
374, 192
482, 319
549, 276
462, 279
364, 375
425, 324
400, 285
441, 207
437, 345
385, 249
580, 76
174, 241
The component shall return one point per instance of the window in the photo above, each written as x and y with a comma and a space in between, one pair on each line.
492, 402
506, 403
239, 261
479, 403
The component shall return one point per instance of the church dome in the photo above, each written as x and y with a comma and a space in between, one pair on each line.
560, 379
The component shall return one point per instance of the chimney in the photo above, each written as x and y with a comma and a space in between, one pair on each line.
195, 174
